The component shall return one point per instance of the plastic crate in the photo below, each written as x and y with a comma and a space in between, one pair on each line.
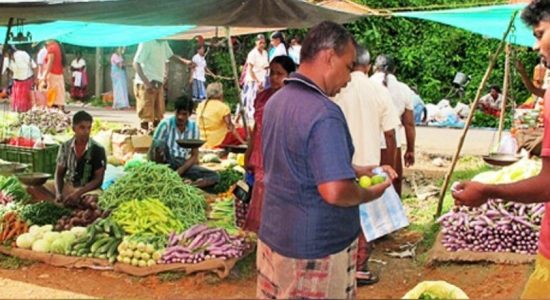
40, 160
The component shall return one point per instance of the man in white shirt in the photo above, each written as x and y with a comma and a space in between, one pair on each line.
371, 118
294, 50
257, 64
200, 70
150, 63
402, 97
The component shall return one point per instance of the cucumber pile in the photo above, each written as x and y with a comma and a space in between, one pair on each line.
101, 241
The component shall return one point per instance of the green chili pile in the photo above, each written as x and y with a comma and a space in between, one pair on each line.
153, 181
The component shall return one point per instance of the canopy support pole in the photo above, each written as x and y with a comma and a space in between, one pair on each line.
4, 47
471, 116
98, 72
236, 78
505, 90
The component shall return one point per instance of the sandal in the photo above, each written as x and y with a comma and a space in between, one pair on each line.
366, 278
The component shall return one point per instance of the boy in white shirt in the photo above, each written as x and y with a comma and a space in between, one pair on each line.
200, 70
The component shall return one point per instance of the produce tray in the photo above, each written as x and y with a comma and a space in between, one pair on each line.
41, 160
220, 267
438, 254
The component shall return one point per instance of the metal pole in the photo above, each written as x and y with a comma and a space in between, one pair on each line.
4, 47
505, 88
236, 77
471, 116
98, 72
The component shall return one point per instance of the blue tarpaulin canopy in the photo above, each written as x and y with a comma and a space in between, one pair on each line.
96, 34
490, 21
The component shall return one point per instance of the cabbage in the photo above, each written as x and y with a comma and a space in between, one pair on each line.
58, 246
51, 236
41, 246
78, 231
34, 229
25, 240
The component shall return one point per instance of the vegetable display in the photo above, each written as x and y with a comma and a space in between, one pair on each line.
43, 213
43, 239
139, 253
152, 181
241, 210
101, 241
146, 216
84, 213
49, 121
222, 215
11, 227
494, 227
200, 243
11, 190
228, 178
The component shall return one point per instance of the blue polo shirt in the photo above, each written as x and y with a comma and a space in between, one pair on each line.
306, 142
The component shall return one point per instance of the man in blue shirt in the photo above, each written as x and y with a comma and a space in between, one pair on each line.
165, 148
310, 219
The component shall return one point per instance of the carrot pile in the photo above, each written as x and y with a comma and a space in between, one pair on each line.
12, 226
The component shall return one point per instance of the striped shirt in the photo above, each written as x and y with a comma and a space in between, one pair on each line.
168, 131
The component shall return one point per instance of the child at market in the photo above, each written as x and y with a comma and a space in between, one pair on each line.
81, 163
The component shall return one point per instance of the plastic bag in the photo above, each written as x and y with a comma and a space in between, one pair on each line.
508, 144
436, 290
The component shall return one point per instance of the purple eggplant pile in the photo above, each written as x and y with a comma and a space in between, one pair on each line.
241, 210
201, 243
496, 226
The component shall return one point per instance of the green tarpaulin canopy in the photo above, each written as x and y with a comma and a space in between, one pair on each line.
490, 21
96, 34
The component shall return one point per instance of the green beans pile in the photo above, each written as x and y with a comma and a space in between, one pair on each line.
153, 181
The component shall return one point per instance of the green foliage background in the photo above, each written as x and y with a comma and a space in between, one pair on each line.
428, 54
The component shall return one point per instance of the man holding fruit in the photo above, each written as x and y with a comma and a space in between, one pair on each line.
310, 218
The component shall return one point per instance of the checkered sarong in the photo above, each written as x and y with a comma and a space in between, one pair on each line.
332, 277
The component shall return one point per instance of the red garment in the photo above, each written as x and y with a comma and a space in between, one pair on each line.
544, 243
57, 66
255, 163
21, 99
362, 252
231, 140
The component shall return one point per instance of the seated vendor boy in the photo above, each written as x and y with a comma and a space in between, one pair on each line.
81, 163
185, 161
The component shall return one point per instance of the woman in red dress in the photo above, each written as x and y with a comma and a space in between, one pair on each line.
280, 67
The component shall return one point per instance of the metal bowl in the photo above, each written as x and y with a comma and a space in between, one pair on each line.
501, 159
34, 179
11, 168
236, 149
190, 143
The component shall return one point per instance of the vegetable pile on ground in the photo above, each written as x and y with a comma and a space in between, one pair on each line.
228, 178
84, 213
496, 226
49, 121
43, 213
152, 181
43, 239
139, 252
146, 216
493, 227
100, 240
11, 190
222, 215
241, 210
11, 227
200, 243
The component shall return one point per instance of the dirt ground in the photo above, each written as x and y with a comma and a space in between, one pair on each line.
479, 281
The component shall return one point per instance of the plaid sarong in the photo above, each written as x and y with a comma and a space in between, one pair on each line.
332, 277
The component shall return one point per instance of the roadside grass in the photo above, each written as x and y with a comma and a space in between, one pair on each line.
13, 263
